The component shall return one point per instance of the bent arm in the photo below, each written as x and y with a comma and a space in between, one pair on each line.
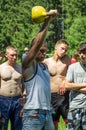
74, 86
83, 90
38, 41
67, 85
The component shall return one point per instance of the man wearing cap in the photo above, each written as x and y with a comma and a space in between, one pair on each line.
26, 50
76, 82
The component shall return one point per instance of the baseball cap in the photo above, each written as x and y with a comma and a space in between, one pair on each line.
26, 49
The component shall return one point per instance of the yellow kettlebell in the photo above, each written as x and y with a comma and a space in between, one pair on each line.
38, 14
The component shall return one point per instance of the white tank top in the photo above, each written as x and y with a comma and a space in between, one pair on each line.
38, 89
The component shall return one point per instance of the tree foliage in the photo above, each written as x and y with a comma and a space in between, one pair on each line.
17, 27
74, 19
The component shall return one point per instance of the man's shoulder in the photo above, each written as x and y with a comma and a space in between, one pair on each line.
75, 66
47, 60
3, 64
43, 66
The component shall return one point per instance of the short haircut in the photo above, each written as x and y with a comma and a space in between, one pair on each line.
11, 47
62, 41
82, 47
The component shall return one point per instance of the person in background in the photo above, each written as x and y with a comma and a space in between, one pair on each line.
76, 82
37, 109
26, 51
75, 57
58, 65
11, 90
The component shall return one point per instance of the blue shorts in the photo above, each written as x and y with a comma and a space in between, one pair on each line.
37, 120
10, 110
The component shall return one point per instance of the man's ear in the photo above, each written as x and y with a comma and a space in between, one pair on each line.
55, 47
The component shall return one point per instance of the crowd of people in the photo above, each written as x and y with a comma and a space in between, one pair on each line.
34, 95
76, 82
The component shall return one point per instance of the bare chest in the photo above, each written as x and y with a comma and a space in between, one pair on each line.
8, 73
57, 68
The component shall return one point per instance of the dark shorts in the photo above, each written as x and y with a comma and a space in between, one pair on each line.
60, 106
61, 111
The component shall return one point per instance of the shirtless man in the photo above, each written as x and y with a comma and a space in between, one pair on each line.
11, 89
58, 65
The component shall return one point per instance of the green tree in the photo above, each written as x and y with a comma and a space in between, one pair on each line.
17, 27
76, 33
74, 17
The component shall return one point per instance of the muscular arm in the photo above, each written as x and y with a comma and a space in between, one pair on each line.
38, 41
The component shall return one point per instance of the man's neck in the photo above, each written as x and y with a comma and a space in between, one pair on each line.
56, 58
11, 64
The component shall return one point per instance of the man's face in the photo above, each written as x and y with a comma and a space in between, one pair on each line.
61, 49
82, 56
11, 55
27, 51
42, 53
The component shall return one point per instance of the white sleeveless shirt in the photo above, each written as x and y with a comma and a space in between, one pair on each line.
38, 89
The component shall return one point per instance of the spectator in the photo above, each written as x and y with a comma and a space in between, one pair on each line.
26, 51
10, 90
76, 82
37, 110
58, 65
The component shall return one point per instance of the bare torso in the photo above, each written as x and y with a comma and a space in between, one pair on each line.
10, 80
58, 70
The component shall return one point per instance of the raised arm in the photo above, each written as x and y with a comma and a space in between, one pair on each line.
38, 41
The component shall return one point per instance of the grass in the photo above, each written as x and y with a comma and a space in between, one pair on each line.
61, 125
9, 126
